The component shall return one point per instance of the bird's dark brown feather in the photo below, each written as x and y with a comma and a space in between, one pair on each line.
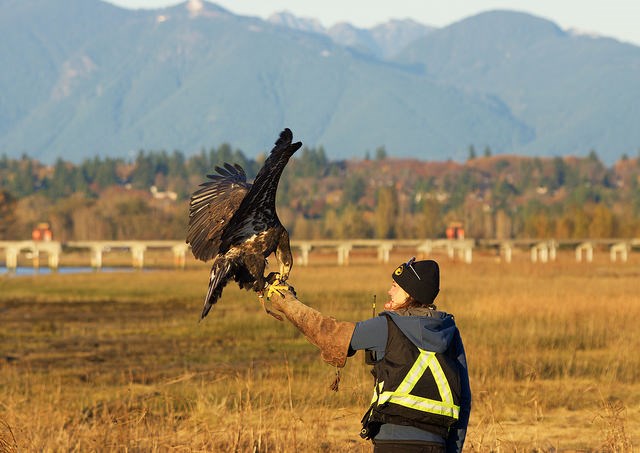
257, 212
212, 207
236, 223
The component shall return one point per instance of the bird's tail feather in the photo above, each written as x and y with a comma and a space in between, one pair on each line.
220, 270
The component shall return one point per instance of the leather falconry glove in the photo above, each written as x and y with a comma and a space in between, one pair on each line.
333, 337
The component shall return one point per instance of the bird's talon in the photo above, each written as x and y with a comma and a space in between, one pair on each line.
277, 288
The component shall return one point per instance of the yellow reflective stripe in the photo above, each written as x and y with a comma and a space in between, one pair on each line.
441, 380
415, 373
422, 404
426, 361
376, 392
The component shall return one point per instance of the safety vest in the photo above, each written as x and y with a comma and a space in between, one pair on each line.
413, 387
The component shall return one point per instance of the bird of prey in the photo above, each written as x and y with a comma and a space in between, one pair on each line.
235, 223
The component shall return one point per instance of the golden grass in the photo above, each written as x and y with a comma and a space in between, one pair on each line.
118, 362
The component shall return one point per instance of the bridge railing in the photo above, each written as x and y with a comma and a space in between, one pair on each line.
544, 250
461, 249
422, 247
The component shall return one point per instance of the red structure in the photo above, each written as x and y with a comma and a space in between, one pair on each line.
455, 230
42, 232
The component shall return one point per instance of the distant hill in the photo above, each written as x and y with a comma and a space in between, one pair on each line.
88, 78
576, 92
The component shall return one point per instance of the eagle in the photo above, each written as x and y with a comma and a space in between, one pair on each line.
236, 223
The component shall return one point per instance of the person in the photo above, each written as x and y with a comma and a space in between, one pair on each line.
422, 398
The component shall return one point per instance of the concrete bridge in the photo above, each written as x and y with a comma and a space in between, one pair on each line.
12, 250
54, 249
546, 250
462, 249
137, 248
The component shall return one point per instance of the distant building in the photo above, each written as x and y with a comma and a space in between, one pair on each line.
159, 195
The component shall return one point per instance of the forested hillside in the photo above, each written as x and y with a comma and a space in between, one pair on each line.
375, 197
84, 78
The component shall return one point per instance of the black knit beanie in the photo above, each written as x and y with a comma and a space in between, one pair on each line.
419, 279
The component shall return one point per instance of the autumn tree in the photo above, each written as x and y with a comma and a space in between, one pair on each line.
386, 212
7, 214
353, 223
503, 225
602, 222
429, 222
506, 196
331, 227
30, 211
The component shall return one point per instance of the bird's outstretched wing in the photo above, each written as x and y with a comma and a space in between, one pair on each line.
257, 211
212, 207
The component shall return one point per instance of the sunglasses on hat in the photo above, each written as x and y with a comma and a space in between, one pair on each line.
409, 264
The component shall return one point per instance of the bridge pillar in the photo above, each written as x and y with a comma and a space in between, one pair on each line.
137, 255
35, 259
450, 250
587, 248
53, 260
506, 251
621, 248
180, 255
552, 250
544, 251
305, 248
540, 252
466, 254
11, 254
53, 249
343, 254
383, 252
544, 254
96, 256
424, 249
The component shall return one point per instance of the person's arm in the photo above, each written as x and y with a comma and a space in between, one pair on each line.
458, 432
331, 336
370, 335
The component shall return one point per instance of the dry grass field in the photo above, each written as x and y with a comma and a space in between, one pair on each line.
119, 362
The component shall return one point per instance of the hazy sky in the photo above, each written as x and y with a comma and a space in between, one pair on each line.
618, 19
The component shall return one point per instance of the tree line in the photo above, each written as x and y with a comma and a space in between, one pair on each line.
492, 196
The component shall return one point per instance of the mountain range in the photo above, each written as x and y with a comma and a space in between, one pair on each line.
85, 78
